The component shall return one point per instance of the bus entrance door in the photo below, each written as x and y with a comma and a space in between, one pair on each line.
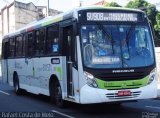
67, 37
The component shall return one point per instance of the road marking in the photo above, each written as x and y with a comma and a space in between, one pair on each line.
54, 111
4, 92
153, 107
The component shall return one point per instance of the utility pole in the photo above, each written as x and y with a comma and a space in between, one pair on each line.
48, 9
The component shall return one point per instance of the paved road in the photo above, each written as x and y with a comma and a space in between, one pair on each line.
10, 102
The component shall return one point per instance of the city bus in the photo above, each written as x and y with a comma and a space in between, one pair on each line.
88, 55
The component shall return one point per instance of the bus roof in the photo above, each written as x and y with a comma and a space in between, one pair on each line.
108, 8
53, 19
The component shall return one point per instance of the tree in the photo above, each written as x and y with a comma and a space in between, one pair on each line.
112, 4
137, 4
151, 12
158, 20
157, 27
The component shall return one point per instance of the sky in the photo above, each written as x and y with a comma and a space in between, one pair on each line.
65, 5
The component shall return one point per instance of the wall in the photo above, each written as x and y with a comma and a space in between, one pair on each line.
5, 21
23, 17
12, 18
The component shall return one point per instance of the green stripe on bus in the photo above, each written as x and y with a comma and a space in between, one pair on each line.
110, 85
52, 21
59, 70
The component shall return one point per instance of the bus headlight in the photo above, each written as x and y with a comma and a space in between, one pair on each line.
152, 76
90, 80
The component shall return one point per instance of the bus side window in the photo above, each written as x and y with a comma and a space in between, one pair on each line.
30, 45
5, 49
12, 47
52, 41
42, 42
18, 46
23, 45
39, 42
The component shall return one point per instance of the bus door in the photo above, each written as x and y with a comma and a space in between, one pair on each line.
67, 39
5, 50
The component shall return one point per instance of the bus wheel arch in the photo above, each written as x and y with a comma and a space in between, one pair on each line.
55, 91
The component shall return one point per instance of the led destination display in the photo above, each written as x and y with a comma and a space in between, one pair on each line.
98, 16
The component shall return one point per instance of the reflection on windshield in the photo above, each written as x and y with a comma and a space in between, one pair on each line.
112, 46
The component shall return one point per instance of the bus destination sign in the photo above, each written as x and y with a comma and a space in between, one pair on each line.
98, 16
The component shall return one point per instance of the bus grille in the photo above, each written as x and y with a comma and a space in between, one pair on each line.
115, 95
121, 77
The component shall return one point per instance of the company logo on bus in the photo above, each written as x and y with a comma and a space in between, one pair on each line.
123, 71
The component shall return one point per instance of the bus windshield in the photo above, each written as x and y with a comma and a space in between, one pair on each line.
116, 46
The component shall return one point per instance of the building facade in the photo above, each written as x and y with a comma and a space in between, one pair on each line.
101, 3
17, 15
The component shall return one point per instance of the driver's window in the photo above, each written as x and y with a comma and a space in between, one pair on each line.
140, 38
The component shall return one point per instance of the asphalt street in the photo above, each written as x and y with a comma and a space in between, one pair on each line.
29, 103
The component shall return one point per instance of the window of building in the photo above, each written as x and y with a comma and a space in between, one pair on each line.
52, 42
39, 10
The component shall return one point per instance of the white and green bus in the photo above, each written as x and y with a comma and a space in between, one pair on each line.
88, 55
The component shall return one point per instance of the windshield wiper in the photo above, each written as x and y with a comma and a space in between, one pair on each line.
128, 35
100, 26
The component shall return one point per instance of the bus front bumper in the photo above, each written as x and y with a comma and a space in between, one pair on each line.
90, 95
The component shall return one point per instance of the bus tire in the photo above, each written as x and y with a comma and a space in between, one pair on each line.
17, 89
58, 95
51, 91
57, 91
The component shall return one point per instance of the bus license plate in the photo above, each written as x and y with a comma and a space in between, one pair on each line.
124, 93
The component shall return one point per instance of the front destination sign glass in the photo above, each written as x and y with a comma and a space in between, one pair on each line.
98, 16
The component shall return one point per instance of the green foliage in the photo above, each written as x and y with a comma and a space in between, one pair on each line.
158, 21
149, 9
152, 13
112, 4
137, 4
157, 28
